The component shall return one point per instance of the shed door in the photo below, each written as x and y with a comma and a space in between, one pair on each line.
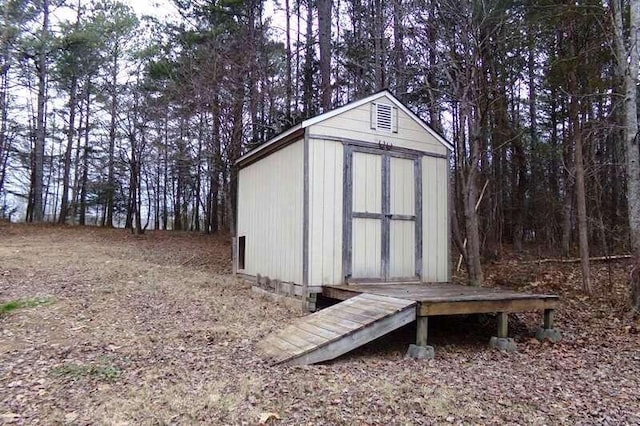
367, 218
402, 218
382, 216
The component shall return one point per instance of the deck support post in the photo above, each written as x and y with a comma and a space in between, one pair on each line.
422, 330
311, 303
548, 319
421, 350
503, 325
547, 332
502, 342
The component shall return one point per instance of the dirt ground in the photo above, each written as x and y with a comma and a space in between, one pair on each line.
120, 329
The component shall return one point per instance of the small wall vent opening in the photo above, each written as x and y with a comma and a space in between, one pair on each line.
241, 251
384, 117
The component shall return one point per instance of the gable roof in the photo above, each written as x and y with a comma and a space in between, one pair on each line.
329, 114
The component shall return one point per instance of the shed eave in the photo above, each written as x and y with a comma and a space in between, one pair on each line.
270, 145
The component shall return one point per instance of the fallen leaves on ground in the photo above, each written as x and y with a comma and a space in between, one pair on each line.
265, 417
153, 329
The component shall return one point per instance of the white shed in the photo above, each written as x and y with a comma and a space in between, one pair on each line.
357, 194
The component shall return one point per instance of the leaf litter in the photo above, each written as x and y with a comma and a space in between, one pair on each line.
154, 329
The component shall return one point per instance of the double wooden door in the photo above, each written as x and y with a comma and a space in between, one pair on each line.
383, 220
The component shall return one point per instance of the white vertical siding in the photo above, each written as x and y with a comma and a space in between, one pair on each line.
270, 214
326, 169
435, 234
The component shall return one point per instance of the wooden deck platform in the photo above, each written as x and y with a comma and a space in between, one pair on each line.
454, 299
336, 330
369, 311
449, 299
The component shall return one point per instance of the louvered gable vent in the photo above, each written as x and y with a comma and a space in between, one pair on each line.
384, 117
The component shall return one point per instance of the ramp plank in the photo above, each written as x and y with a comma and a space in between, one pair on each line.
334, 331
318, 330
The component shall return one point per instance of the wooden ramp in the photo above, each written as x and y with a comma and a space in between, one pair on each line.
336, 330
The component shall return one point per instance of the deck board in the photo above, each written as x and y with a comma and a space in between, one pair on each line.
353, 314
320, 331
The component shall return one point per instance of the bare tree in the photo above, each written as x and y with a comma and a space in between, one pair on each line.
324, 24
627, 57
38, 163
576, 132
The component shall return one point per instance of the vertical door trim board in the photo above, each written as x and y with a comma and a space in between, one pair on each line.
347, 212
417, 172
385, 222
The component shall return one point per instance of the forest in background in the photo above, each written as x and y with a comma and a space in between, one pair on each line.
116, 120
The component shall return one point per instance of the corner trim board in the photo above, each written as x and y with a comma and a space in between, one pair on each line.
305, 215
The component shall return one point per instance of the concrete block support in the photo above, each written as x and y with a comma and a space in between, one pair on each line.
420, 352
503, 343
552, 335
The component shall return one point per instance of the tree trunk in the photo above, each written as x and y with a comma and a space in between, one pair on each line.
324, 25
236, 144
85, 160
582, 212
111, 181
474, 265
576, 132
178, 224
77, 169
66, 179
253, 73
627, 56
156, 212
307, 101
198, 176
165, 174
288, 83
378, 44
4, 140
216, 166
519, 193
5, 144
38, 175
399, 56
136, 165
568, 186
298, 77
